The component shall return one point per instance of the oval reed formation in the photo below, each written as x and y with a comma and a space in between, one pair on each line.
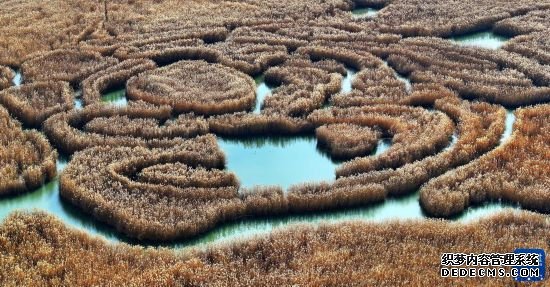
516, 171
26, 158
345, 141
325, 255
137, 124
33, 103
195, 86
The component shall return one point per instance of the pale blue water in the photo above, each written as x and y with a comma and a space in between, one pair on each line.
116, 97
486, 39
282, 161
364, 12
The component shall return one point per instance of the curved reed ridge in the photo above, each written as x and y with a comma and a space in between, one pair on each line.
195, 86
26, 158
516, 171
138, 124
34, 103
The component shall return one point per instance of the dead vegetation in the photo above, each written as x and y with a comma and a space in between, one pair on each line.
26, 158
495, 76
449, 18
516, 171
138, 124
221, 89
326, 255
113, 77
34, 103
6, 77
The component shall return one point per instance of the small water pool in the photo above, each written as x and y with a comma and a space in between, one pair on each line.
485, 39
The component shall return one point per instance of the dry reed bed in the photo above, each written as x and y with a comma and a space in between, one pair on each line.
345, 141
244, 124
534, 46
113, 77
6, 77
38, 249
69, 65
195, 86
449, 18
495, 76
146, 44
516, 171
155, 194
138, 124
376, 85
479, 127
26, 158
30, 26
534, 21
34, 103
411, 130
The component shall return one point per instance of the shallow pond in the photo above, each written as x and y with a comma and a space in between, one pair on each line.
485, 39
364, 12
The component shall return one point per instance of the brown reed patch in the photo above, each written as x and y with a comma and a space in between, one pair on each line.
534, 46
326, 255
346, 141
448, 18
534, 21
34, 103
26, 158
6, 77
411, 130
221, 89
138, 124
115, 76
479, 128
495, 76
69, 65
516, 171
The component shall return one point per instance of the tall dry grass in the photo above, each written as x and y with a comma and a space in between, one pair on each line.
221, 89
534, 21
26, 158
138, 124
6, 77
115, 76
411, 130
495, 76
344, 254
69, 65
449, 18
516, 171
34, 103
345, 141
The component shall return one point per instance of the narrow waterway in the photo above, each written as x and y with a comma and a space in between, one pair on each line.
364, 12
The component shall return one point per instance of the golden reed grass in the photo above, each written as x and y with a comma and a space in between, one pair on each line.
38, 249
113, 77
448, 18
495, 76
6, 77
221, 89
34, 103
534, 21
347, 140
26, 158
70, 65
516, 171
138, 124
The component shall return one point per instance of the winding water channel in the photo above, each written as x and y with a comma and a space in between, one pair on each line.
280, 161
